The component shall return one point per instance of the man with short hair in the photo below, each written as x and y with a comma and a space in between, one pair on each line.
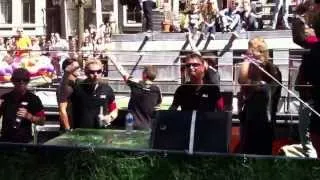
93, 102
71, 70
20, 104
195, 94
145, 96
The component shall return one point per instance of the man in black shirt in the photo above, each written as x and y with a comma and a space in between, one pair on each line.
195, 94
19, 109
71, 70
145, 96
93, 102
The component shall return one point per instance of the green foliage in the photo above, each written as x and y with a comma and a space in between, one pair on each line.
106, 164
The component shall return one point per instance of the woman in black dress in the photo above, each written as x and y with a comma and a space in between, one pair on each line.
257, 97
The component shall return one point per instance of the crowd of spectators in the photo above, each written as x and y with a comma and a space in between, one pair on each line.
238, 16
52, 48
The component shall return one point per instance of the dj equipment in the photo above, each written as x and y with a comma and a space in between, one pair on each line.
192, 131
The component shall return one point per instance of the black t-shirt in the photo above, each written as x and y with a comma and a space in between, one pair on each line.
143, 99
64, 92
212, 76
190, 98
9, 108
86, 102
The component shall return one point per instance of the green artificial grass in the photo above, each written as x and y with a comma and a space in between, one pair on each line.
103, 164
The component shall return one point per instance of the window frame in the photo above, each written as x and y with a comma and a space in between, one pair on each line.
6, 11
31, 19
125, 18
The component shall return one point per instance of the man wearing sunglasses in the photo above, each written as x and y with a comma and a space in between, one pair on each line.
93, 102
19, 109
197, 93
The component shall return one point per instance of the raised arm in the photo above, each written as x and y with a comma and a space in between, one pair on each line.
119, 67
298, 31
243, 74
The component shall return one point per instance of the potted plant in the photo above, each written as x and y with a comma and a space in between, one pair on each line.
167, 22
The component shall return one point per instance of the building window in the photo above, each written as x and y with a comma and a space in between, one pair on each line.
28, 11
133, 13
134, 16
107, 5
5, 12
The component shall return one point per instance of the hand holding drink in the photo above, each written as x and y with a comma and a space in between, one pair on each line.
22, 113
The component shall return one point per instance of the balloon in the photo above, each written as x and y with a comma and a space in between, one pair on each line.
5, 69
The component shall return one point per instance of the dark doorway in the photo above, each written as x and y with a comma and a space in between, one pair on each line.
53, 17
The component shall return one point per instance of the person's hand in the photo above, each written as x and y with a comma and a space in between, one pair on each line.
309, 32
22, 112
105, 120
68, 130
259, 85
206, 65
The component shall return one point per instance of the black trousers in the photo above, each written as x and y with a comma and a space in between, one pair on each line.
147, 11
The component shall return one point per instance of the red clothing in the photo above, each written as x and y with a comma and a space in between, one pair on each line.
311, 40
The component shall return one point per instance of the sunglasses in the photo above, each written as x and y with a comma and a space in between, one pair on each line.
95, 71
195, 65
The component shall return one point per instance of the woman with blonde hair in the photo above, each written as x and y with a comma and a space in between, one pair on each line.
209, 13
259, 96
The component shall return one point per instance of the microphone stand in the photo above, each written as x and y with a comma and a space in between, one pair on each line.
253, 61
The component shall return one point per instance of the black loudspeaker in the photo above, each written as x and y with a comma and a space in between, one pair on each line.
171, 131
213, 131
227, 98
